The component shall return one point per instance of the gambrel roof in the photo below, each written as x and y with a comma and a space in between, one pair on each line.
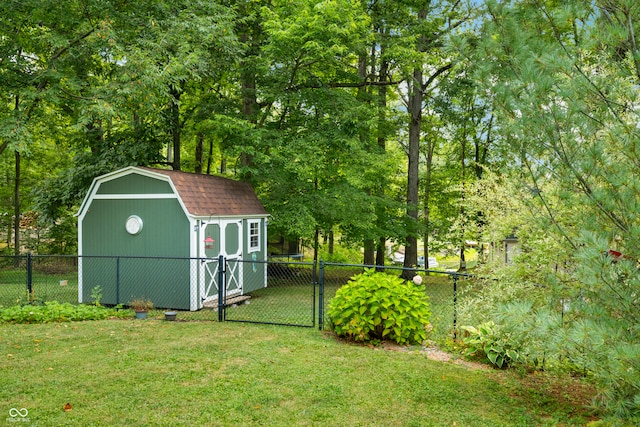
200, 195
205, 195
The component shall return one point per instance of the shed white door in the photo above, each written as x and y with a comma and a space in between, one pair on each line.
227, 236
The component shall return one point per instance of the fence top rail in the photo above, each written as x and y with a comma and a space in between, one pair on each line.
455, 274
279, 262
395, 267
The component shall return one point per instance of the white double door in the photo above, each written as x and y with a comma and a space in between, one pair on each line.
227, 236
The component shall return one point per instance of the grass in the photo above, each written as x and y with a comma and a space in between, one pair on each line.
128, 372
61, 287
282, 303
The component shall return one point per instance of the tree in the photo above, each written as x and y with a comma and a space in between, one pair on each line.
432, 24
126, 85
565, 76
37, 46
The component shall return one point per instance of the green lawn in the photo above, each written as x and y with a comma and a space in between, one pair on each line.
280, 302
151, 372
61, 287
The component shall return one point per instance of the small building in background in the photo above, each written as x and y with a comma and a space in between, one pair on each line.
158, 234
510, 248
505, 250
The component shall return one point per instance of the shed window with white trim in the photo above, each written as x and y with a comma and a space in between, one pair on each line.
254, 235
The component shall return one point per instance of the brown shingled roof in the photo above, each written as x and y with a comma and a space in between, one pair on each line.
205, 195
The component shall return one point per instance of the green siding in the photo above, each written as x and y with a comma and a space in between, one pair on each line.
135, 184
254, 270
165, 233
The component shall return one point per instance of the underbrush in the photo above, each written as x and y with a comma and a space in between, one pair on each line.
53, 311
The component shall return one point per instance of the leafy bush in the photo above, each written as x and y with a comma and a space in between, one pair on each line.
487, 340
519, 334
56, 312
374, 306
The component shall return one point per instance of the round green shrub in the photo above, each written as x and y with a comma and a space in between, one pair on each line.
375, 306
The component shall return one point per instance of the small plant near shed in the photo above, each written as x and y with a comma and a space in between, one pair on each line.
96, 295
141, 304
141, 307
376, 306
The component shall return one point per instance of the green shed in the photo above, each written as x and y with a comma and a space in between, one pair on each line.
158, 234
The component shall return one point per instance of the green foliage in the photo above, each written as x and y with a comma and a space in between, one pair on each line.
487, 340
375, 306
29, 298
518, 336
561, 102
96, 295
341, 254
56, 312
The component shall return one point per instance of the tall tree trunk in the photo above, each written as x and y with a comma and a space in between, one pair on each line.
381, 251
16, 210
249, 35
416, 97
199, 152
368, 244
210, 158
369, 252
415, 123
223, 164
16, 200
174, 121
382, 146
427, 199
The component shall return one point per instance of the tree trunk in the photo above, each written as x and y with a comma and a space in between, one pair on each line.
427, 199
199, 152
382, 146
210, 158
316, 244
381, 252
369, 252
368, 244
416, 97
16, 202
248, 35
16, 211
174, 122
415, 123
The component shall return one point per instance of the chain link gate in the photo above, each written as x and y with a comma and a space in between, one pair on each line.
289, 296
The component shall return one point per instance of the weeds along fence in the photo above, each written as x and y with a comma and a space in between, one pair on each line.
274, 292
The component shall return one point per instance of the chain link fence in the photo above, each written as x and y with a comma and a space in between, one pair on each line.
443, 288
290, 296
289, 292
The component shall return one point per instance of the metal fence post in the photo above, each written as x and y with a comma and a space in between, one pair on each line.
29, 275
117, 280
221, 286
321, 297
